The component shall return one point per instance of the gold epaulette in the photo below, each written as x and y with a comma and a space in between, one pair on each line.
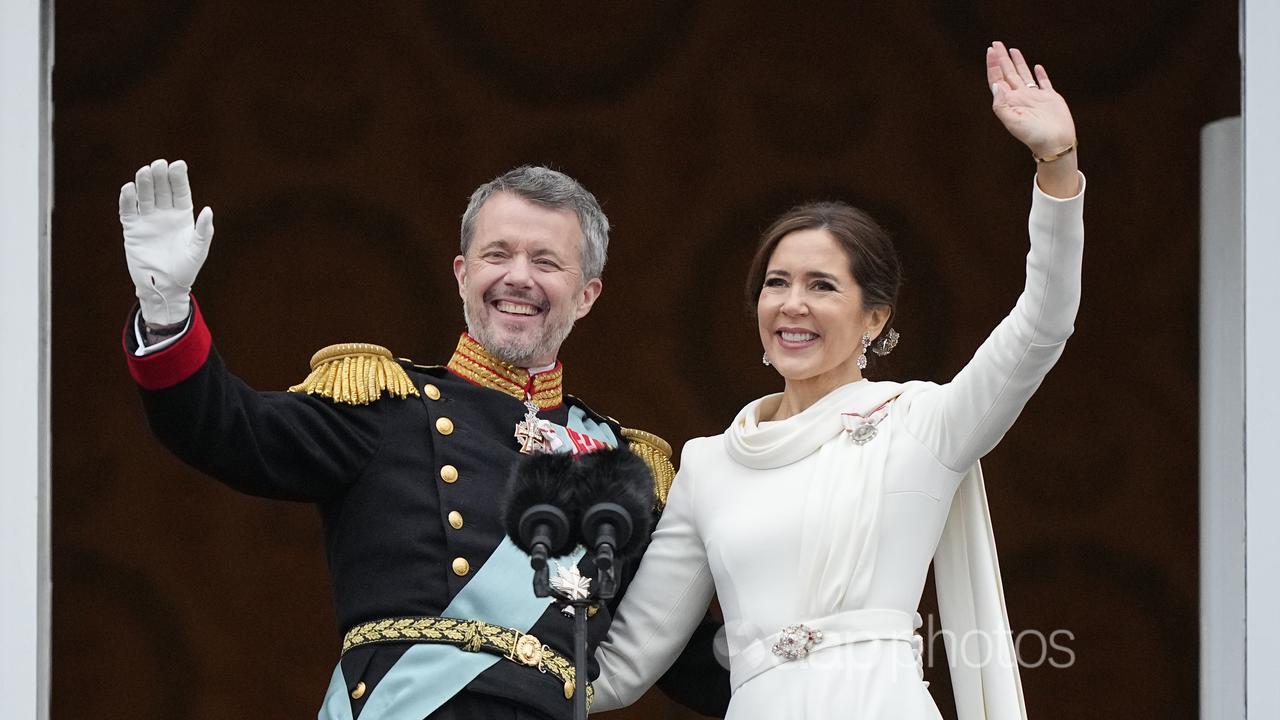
656, 453
355, 374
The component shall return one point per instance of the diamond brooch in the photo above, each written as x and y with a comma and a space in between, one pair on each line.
795, 642
862, 428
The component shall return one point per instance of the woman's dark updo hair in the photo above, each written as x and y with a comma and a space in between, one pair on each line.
873, 261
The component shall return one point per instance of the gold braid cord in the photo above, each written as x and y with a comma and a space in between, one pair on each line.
656, 453
469, 636
355, 374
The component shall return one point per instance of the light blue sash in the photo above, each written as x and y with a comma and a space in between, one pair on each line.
501, 593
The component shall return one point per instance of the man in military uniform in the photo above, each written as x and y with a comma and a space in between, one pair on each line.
407, 463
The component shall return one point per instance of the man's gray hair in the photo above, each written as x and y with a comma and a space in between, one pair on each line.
551, 189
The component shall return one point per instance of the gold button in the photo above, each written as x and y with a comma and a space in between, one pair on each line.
591, 611
358, 692
432, 391
445, 426
568, 689
449, 474
455, 519
461, 566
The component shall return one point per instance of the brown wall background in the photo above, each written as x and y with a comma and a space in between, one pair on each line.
337, 143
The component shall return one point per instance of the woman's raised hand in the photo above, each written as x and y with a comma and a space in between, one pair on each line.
1036, 115
1027, 104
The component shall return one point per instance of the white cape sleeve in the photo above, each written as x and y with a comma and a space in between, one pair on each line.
979, 642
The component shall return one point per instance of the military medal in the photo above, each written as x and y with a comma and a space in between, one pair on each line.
536, 436
570, 582
529, 431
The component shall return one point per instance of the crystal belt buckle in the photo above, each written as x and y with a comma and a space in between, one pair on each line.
795, 642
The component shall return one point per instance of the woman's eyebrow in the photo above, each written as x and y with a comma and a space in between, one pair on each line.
812, 275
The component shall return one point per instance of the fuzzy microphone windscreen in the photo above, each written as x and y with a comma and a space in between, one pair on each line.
619, 476
549, 478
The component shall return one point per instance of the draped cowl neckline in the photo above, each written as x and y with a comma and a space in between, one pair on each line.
774, 444
840, 487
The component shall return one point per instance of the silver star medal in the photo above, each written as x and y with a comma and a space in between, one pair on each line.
570, 582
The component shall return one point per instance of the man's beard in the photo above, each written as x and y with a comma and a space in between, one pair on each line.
517, 351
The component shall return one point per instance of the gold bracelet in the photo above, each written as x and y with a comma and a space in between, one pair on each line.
1056, 156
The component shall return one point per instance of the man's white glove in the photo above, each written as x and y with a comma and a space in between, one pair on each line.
162, 244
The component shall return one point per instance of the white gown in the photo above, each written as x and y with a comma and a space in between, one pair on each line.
793, 522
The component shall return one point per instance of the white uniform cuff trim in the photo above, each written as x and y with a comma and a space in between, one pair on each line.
143, 348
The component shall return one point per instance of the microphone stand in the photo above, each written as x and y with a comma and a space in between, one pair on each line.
581, 606
580, 609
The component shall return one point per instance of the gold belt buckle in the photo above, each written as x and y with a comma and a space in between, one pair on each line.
527, 650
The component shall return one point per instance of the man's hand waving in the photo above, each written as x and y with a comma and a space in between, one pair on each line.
163, 245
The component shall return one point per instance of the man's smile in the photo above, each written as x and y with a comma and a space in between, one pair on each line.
510, 307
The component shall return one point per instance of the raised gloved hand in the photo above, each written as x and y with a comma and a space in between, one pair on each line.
163, 246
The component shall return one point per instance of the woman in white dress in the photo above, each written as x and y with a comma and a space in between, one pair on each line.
816, 514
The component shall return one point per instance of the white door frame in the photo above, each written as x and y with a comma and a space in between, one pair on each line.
1240, 388
1260, 66
25, 199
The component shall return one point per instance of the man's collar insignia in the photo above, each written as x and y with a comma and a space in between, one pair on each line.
472, 362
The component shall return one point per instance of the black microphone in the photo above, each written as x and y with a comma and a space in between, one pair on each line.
616, 489
608, 527
540, 511
543, 528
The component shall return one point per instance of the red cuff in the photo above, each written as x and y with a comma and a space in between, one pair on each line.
175, 363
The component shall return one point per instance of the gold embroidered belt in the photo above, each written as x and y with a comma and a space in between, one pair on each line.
469, 636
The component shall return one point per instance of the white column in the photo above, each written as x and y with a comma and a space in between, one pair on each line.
1222, 407
25, 34
1221, 424
1261, 68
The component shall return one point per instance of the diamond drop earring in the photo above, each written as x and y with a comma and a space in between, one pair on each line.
862, 355
765, 359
